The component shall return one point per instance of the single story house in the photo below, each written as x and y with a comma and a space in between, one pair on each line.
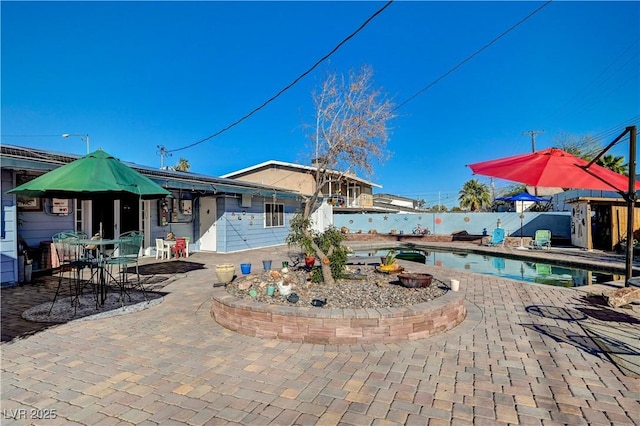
216, 214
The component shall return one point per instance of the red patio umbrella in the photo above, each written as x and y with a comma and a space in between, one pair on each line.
553, 167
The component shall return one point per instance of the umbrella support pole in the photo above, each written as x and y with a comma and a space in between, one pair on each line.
521, 247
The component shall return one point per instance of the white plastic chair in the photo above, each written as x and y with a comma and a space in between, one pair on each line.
162, 249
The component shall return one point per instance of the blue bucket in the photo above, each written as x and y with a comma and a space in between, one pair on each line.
245, 268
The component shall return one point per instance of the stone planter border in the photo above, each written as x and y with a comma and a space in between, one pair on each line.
338, 326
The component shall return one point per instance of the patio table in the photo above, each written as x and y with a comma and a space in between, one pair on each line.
100, 244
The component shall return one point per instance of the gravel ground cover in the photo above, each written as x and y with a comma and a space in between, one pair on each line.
365, 287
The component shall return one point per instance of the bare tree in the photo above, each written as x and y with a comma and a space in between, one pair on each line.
349, 135
350, 132
584, 146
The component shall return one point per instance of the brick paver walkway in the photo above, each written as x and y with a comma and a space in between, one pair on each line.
521, 357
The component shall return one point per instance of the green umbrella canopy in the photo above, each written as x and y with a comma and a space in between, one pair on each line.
96, 175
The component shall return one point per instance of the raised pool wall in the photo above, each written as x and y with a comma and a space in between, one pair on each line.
559, 223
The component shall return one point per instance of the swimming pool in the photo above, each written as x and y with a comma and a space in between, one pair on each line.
521, 269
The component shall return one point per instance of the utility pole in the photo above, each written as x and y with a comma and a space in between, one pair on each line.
533, 134
493, 189
162, 151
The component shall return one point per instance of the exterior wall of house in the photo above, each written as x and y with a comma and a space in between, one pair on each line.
183, 226
286, 178
8, 246
447, 223
243, 228
35, 228
8, 233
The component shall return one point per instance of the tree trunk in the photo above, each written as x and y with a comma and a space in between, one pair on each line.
321, 255
326, 273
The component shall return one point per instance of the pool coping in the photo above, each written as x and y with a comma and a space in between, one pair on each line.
558, 256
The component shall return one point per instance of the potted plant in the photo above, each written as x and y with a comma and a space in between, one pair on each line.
389, 263
309, 259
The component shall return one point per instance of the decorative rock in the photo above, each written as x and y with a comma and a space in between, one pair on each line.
623, 296
244, 285
283, 288
275, 275
369, 289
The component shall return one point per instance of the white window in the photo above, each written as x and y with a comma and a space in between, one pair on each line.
273, 215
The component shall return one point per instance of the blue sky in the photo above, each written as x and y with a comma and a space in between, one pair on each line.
136, 75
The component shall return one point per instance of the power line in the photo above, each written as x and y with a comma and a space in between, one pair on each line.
30, 136
585, 95
300, 77
468, 58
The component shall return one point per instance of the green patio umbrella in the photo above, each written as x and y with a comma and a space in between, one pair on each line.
94, 176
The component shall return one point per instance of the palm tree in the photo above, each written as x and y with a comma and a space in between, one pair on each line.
183, 165
474, 195
616, 164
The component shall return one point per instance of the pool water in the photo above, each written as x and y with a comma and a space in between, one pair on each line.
521, 270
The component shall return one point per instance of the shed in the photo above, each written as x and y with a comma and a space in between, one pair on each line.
601, 223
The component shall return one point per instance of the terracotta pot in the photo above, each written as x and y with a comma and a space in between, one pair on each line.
414, 280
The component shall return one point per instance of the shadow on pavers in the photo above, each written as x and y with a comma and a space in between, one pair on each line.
620, 343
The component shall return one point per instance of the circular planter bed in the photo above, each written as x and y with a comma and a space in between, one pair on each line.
325, 325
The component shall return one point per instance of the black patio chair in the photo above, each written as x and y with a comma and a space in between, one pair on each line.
126, 254
71, 261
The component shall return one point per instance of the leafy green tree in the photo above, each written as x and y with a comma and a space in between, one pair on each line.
437, 209
515, 189
474, 195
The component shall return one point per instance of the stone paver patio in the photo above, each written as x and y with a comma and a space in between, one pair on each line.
526, 354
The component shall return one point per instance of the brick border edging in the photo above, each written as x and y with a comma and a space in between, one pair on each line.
338, 326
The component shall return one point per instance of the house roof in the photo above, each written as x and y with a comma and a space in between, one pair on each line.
276, 163
30, 159
382, 197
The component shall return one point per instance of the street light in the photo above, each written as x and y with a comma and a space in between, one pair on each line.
83, 137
